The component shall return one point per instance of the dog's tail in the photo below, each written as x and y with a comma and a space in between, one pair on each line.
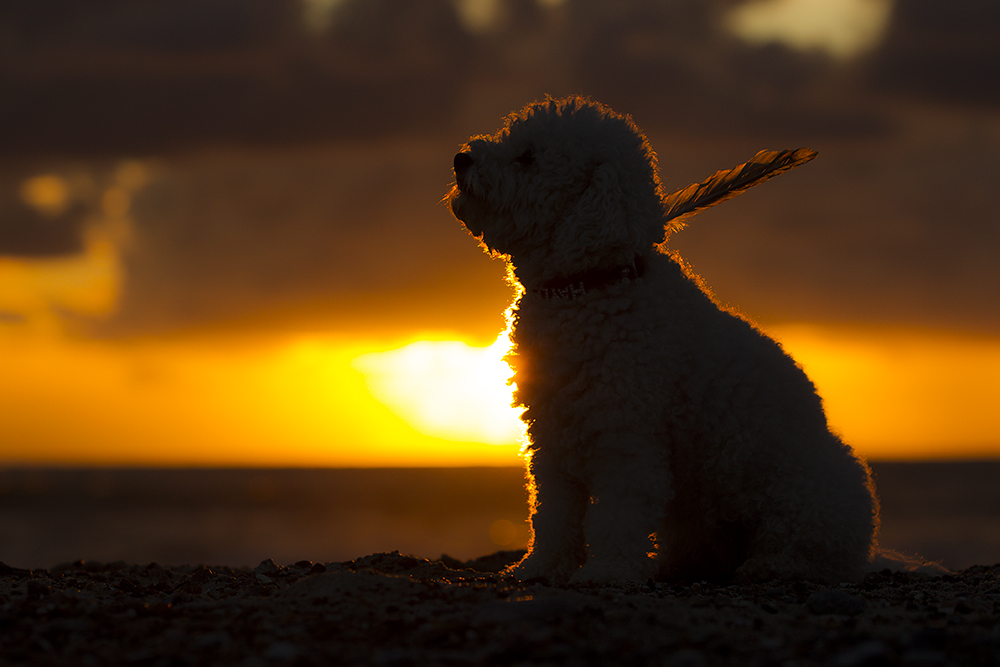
728, 183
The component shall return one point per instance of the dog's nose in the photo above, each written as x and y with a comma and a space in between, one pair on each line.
462, 163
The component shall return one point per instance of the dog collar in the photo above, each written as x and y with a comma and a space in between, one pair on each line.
578, 284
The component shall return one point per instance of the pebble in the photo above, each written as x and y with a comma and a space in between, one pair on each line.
268, 568
834, 601
392, 609
865, 654
282, 652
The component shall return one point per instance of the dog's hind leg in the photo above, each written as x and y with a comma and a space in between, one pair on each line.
808, 548
558, 503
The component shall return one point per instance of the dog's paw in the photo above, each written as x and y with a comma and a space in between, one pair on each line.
531, 569
535, 568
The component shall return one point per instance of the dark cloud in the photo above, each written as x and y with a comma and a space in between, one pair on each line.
299, 172
148, 77
331, 237
673, 68
140, 78
188, 26
944, 52
146, 26
26, 232
861, 235
154, 77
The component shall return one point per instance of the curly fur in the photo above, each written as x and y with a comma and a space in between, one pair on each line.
667, 435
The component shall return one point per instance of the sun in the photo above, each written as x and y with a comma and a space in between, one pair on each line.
447, 389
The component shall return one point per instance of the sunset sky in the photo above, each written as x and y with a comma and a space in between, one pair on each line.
222, 242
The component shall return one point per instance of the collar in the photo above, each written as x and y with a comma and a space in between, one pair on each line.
578, 284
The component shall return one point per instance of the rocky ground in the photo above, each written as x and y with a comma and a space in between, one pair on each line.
390, 609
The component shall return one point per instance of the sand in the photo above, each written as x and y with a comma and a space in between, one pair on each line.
391, 609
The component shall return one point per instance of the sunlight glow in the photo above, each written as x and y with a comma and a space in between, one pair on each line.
318, 15
48, 194
478, 15
447, 389
207, 401
503, 532
903, 394
841, 28
321, 400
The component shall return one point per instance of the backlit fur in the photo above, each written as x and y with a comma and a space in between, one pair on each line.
668, 435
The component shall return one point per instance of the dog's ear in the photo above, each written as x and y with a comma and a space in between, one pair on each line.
601, 223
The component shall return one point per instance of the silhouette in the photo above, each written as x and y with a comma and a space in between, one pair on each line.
666, 432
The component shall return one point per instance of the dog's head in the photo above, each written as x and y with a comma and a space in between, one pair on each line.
565, 186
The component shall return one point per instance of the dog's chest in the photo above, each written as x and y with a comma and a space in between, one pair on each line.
582, 366
565, 343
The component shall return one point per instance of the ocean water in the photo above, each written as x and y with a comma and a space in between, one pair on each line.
948, 512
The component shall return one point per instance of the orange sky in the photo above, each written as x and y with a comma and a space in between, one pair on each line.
304, 400
208, 402
424, 397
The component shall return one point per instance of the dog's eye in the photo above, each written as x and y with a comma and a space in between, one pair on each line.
525, 159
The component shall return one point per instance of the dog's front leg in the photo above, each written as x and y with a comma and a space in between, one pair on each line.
630, 487
558, 503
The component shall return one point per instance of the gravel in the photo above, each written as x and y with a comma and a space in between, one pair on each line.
394, 610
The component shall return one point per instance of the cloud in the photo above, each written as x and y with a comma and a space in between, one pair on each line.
53, 226
863, 235
145, 78
305, 237
840, 28
302, 163
944, 52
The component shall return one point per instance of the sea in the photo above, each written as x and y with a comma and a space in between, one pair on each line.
942, 511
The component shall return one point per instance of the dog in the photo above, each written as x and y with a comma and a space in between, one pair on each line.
667, 436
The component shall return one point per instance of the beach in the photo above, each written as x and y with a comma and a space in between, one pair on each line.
392, 609
402, 567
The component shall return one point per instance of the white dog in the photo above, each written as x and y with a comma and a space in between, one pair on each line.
666, 432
